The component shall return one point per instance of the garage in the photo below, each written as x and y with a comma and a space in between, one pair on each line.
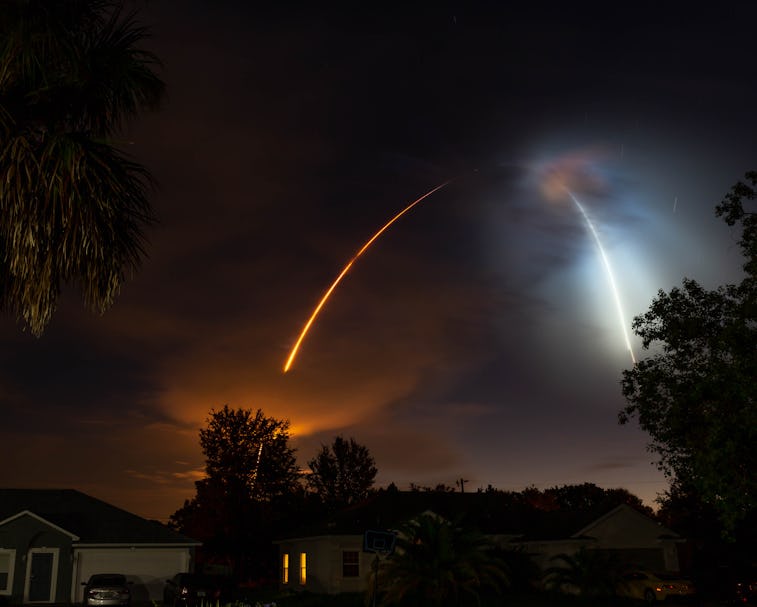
54, 539
147, 568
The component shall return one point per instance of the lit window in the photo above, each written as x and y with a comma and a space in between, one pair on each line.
350, 563
7, 560
303, 567
285, 568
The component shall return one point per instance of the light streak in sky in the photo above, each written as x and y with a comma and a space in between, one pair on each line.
608, 270
257, 465
346, 269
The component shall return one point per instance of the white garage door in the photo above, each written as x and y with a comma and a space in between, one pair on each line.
147, 568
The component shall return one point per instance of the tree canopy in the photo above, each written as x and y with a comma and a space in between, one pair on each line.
250, 452
588, 572
438, 562
252, 486
696, 396
343, 473
73, 205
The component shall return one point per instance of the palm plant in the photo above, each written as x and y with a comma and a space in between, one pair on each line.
437, 563
587, 572
73, 206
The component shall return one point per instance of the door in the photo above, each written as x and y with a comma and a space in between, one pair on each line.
40, 582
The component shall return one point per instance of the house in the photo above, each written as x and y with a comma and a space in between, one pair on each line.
330, 558
51, 541
631, 535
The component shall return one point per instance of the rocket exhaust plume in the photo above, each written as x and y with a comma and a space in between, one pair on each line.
608, 271
342, 274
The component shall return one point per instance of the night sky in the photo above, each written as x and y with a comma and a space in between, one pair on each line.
477, 338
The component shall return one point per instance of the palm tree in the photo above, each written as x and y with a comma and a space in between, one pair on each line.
587, 572
437, 563
73, 206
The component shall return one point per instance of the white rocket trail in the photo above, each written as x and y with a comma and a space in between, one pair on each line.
610, 275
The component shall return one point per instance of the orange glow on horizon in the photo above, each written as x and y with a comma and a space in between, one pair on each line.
346, 269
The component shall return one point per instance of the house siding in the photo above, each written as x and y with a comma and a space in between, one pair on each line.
635, 538
324, 564
68, 535
26, 534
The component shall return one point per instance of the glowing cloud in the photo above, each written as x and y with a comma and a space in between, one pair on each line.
577, 172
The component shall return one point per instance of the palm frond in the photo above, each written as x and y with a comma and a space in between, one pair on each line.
437, 561
72, 213
120, 79
73, 206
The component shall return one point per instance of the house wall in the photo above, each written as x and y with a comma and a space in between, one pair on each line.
636, 538
632, 536
324, 564
28, 536
625, 529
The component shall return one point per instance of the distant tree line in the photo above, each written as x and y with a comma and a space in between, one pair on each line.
253, 490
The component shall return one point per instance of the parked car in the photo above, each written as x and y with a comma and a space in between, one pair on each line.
196, 589
107, 590
652, 587
745, 592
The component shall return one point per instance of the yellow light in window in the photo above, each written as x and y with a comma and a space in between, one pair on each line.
285, 568
303, 567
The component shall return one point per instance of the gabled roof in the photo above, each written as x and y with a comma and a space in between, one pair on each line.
41, 520
664, 532
490, 512
89, 519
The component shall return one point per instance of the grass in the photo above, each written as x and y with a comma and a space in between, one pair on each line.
305, 599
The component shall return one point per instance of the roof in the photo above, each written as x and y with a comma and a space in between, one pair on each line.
664, 532
493, 513
91, 520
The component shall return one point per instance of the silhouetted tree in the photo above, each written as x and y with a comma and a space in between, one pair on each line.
438, 488
73, 206
523, 572
585, 496
586, 572
250, 453
696, 396
343, 473
714, 561
252, 485
437, 562
588, 496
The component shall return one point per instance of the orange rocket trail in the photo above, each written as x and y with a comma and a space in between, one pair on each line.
346, 269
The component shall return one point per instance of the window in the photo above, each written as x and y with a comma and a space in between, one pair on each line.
303, 567
350, 563
7, 561
285, 568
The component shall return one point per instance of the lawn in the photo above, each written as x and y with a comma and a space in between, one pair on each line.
304, 599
